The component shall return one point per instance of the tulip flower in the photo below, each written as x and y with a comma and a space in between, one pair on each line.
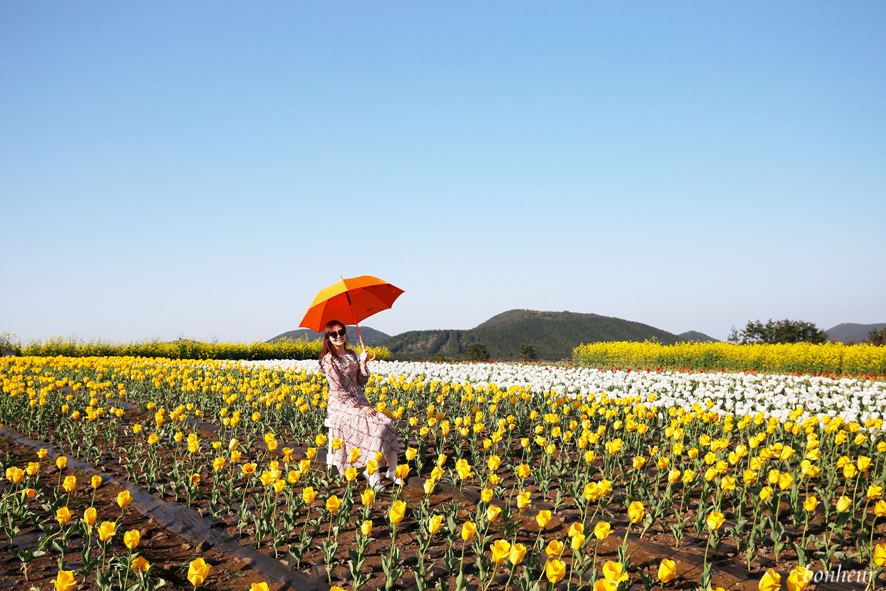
880, 555
139, 564
714, 520
614, 571
667, 570
69, 483
501, 549
771, 581
354, 455
64, 581
123, 499
332, 504
799, 578
810, 503
106, 530
468, 531
366, 528
517, 554
309, 494
602, 530
554, 548
636, 511
434, 524
543, 518
555, 570
131, 539
843, 503
198, 570
397, 512
523, 500
63, 515
61, 462
259, 587
96, 481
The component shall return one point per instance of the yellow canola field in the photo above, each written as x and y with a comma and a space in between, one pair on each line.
833, 358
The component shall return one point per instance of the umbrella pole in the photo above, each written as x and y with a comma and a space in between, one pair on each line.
354, 316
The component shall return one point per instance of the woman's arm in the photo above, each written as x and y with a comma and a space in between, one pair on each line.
333, 376
363, 372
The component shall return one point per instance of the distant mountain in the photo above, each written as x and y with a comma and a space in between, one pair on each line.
552, 335
370, 336
698, 337
849, 332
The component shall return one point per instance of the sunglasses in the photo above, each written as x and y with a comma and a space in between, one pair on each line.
336, 334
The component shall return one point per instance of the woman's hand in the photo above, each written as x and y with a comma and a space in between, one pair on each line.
364, 355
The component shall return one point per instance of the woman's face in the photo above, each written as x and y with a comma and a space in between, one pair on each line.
337, 335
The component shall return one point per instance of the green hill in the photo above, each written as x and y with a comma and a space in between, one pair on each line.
370, 336
552, 335
698, 337
850, 333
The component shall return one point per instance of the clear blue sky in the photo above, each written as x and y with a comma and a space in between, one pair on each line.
202, 169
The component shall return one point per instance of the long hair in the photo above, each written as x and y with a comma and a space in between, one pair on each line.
327, 346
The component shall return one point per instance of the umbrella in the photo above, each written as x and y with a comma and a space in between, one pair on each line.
356, 298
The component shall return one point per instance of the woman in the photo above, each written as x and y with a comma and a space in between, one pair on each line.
353, 419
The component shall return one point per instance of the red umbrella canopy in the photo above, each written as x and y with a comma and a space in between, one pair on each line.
350, 300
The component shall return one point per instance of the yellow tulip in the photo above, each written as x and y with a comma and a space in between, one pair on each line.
61, 462
366, 528
468, 531
667, 570
354, 455
517, 554
543, 518
880, 508
64, 581
613, 571
131, 539
799, 578
843, 503
106, 530
636, 511
123, 499
259, 587
578, 541
492, 513
309, 494
602, 530
69, 483
63, 515
397, 512
434, 524
139, 564
714, 520
874, 491
555, 570
332, 504
351, 474
198, 570
605, 585
771, 581
810, 504
402, 471
880, 554
500, 549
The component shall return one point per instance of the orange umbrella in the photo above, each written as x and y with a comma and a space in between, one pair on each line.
356, 298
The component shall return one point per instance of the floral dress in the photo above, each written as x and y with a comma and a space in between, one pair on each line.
353, 419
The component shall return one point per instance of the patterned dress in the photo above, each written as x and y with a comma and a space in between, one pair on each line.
353, 419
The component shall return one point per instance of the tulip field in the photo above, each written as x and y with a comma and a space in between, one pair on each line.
134, 473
